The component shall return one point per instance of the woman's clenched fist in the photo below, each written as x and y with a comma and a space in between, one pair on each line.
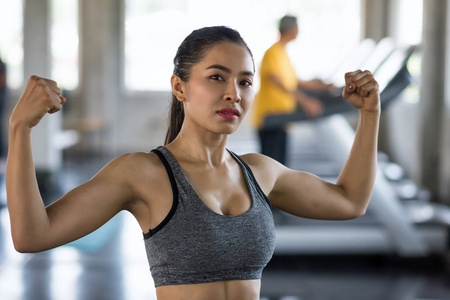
362, 91
40, 96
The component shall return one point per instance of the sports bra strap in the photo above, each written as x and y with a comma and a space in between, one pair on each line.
175, 195
252, 177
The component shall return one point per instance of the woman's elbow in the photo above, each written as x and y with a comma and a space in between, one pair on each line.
25, 245
357, 211
21, 247
356, 205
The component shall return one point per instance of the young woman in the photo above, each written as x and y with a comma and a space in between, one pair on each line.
207, 222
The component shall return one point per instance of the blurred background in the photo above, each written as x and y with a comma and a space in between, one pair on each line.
113, 59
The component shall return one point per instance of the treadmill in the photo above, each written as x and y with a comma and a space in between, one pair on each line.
392, 76
400, 219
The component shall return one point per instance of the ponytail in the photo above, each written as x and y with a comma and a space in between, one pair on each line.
176, 118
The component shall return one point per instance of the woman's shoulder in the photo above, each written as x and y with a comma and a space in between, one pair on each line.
264, 169
135, 158
136, 164
254, 159
260, 163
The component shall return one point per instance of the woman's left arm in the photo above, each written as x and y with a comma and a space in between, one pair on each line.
306, 195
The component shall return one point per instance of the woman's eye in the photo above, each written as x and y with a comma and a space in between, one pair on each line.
216, 77
246, 82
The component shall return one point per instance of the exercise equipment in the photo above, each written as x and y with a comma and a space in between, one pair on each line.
400, 218
392, 76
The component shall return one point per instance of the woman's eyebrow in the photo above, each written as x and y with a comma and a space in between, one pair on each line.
228, 70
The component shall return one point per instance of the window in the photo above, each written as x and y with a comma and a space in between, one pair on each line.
64, 43
154, 30
410, 20
408, 31
11, 40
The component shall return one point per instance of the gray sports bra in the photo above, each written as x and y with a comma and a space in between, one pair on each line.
193, 244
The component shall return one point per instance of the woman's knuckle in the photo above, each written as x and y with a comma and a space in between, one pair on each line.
41, 82
40, 88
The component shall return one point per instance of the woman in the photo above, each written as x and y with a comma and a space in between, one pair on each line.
207, 222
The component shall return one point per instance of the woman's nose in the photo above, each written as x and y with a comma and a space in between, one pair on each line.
234, 99
233, 93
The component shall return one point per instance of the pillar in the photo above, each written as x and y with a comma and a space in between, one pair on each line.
431, 105
444, 161
37, 61
375, 19
100, 24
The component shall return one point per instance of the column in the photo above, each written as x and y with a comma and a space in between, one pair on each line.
37, 61
375, 19
431, 106
100, 67
444, 161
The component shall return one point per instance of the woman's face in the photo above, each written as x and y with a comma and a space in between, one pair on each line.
220, 90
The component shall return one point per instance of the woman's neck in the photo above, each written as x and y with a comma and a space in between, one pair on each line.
208, 148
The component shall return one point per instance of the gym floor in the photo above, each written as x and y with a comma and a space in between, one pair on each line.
111, 264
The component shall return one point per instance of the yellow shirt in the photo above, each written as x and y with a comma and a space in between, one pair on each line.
271, 99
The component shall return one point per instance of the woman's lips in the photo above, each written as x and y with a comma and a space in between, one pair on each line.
229, 113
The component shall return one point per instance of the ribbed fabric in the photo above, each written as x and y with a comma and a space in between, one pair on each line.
194, 244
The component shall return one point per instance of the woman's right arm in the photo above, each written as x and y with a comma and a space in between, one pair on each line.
36, 227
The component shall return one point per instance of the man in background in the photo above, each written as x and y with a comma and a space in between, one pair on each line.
281, 91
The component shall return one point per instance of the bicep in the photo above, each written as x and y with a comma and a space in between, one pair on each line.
87, 207
306, 195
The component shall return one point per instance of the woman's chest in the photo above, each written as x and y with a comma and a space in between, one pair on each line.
222, 192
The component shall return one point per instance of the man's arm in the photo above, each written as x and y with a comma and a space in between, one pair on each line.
311, 106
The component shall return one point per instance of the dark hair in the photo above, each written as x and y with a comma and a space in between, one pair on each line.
191, 51
286, 23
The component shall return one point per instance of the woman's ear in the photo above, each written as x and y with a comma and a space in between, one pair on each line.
178, 88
